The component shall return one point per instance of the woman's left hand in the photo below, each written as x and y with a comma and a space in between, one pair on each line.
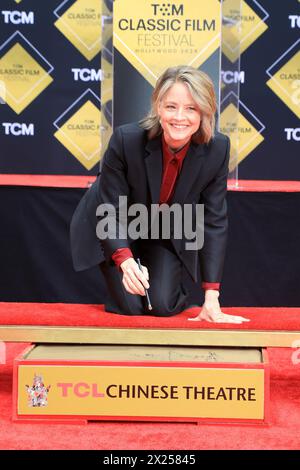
211, 311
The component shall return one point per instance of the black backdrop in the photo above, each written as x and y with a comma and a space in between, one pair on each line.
261, 267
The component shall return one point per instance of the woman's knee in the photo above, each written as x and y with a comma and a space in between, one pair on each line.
123, 306
167, 302
160, 305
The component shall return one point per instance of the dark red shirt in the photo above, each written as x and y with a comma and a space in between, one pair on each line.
172, 164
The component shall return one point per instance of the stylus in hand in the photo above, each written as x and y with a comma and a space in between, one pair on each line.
146, 290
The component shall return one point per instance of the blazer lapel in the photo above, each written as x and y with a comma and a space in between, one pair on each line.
154, 167
192, 165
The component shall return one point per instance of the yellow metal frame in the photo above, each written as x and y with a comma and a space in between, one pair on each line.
178, 337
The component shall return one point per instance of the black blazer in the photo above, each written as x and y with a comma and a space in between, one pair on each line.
132, 166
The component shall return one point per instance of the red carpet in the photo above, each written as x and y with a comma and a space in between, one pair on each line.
283, 432
48, 181
264, 186
56, 314
71, 181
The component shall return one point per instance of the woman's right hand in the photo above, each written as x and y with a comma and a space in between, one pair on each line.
134, 280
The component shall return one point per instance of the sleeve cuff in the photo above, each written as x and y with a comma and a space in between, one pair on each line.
120, 255
211, 285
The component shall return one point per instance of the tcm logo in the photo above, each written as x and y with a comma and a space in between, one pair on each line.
87, 75
18, 17
292, 134
18, 128
232, 77
295, 21
167, 9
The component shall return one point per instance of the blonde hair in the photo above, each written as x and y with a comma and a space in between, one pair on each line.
202, 90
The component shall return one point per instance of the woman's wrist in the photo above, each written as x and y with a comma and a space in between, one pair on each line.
124, 263
211, 294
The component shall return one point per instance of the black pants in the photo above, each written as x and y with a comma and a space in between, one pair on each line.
167, 293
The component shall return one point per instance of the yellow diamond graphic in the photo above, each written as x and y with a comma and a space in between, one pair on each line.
18, 1
81, 25
81, 135
244, 137
155, 35
23, 77
238, 37
286, 83
2, 92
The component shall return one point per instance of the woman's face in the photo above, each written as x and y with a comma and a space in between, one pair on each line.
179, 115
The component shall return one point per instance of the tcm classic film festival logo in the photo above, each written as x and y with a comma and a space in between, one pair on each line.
24, 70
242, 126
80, 23
284, 76
78, 129
244, 23
155, 35
78, 126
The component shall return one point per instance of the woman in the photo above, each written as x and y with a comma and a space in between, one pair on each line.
171, 157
